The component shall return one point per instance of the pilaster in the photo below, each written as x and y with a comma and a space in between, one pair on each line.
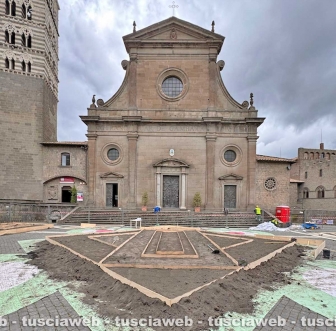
132, 168
91, 162
210, 170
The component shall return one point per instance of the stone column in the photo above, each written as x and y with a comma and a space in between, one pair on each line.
183, 189
251, 171
91, 167
158, 186
210, 170
132, 168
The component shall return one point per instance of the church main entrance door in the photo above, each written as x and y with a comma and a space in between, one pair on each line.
230, 196
111, 195
171, 191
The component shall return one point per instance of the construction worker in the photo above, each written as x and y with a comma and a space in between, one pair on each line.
257, 211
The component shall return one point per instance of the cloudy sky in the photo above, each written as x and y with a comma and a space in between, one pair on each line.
284, 51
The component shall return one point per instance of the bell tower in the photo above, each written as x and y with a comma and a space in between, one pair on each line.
28, 94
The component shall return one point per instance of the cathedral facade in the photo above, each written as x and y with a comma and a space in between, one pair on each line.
172, 129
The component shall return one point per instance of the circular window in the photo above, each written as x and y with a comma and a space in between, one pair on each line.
270, 183
230, 155
172, 87
113, 154
172, 84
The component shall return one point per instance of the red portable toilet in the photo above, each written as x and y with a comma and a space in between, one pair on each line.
283, 213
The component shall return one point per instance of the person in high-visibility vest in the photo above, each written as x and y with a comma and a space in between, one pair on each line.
257, 211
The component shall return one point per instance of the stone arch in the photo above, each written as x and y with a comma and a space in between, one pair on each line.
305, 155
317, 155
320, 192
311, 156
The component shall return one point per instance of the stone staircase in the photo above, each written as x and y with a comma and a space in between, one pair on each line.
182, 218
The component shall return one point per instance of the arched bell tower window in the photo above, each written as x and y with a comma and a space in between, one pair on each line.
29, 41
24, 11
29, 13
23, 40
305, 193
6, 36
13, 64
12, 39
320, 192
23, 66
7, 7
6, 63
29, 67
13, 9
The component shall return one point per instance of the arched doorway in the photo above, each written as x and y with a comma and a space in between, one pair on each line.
66, 194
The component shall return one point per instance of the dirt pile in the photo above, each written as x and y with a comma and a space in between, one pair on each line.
112, 298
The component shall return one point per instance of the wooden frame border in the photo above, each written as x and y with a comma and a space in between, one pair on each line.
152, 294
27, 229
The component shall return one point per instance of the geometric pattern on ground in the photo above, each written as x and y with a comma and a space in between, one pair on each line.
169, 263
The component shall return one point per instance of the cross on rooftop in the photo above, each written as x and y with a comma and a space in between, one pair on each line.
173, 6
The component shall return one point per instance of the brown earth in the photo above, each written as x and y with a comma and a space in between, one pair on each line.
112, 298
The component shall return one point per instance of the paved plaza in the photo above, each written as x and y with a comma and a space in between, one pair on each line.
29, 297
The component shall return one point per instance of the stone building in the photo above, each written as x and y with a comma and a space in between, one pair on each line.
28, 98
171, 130
313, 179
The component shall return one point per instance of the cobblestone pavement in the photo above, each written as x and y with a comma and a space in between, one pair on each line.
9, 243
298, 318
53, 307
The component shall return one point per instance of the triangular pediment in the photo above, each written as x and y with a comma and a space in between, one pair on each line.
172, 163
111, 175
174, 30
230, 177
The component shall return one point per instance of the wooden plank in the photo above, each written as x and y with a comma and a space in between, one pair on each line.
119, 247
170, 228
27, 229
177, 299
178, 234
256, 263
164, 266
150, 240
169, 252
235, 245
54, 242
114, 234
137, 286
215, 234
88, 225
319, 249
101, 241
225, 253
157, 245
191, 245
174, 256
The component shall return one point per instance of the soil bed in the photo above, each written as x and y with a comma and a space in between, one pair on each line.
226, 241
171, 283
254, 250
115, 240
131, 253
112, 298
92, 249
